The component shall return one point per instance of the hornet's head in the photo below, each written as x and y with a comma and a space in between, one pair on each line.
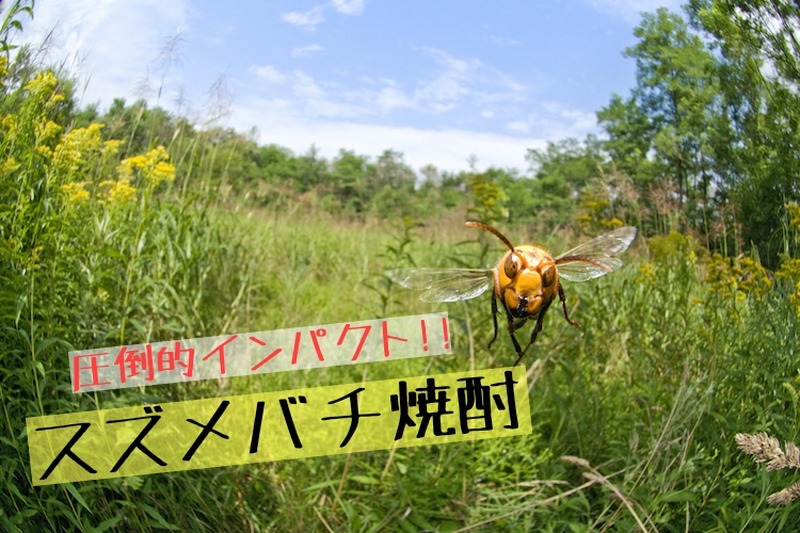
527, 279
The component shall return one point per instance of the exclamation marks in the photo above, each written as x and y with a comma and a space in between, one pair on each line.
423, 328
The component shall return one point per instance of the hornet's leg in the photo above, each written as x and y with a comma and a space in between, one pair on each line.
511, 329
494, 319
536, 329
564, 306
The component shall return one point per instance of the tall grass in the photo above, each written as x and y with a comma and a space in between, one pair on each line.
93, 254
634, 415
647, 395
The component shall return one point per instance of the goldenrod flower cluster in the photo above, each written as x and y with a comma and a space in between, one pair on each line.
592, 209
151, 169
119, 192
736, 277
43, 88
790, 266
80, 154
3, 71
79, 163
647, 273
75, 193
673, 247
76, 148
9, 166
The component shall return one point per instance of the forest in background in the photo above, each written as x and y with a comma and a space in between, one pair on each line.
132, 223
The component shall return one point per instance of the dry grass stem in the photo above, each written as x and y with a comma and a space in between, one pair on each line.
594, 475
537, 503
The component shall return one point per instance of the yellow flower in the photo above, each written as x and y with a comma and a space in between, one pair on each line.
793, 209
46, 130
613, 223
9, 165
647, 273
121, 192
43, 83
75, 193
77, 146
55, 98
43, 88
111, 147
45, 151
153, 167
128, 165
790, 271
674, 247
753, 278
736, 277
9, 124
162, 171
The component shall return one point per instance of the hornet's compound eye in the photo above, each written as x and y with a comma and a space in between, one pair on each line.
548, 276
511, 265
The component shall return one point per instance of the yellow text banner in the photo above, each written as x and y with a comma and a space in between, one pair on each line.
274, 426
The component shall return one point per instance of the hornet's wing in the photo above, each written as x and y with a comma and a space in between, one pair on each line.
595, 258
443, 284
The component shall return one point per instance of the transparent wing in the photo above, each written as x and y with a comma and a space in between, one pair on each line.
443, 284
595, 258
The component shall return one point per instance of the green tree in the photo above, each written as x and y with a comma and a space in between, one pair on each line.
488, 199
560, 172
676, 131
762, 103
629, 137
352, 178
396, 195
676, 89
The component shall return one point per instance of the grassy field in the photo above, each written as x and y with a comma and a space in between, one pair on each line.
634, 415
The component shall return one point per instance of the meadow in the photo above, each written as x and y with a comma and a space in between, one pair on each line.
634, 415
109, 239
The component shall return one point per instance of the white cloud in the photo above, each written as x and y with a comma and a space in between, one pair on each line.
554, 121
313, 17
447, 149
309, 19
118, 40
305, 87
391, 98
348, 7
455, 84
630, 10
455, 81
519, 126
268, 73
306, 51
466, 82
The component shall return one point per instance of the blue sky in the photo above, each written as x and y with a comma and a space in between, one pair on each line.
439, 81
